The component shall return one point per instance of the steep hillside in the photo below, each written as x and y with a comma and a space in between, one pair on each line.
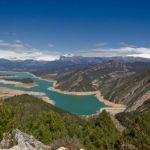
91, 78
121, 83
132, 90
145, 106
137, 133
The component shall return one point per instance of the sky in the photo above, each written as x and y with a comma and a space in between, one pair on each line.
46, 29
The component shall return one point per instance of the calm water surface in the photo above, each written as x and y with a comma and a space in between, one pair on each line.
82, 105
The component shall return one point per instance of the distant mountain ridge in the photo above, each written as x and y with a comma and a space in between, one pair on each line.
65, 62
81, 59
17, 65
76, 60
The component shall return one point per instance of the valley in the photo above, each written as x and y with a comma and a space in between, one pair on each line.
86, 100
69, 102
123, 83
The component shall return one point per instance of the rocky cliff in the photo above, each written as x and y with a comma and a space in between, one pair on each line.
131, 90
18, 140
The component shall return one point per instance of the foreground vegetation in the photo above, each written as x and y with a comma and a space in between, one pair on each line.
55, 127
137, 133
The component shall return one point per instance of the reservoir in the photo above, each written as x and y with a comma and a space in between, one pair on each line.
78, 104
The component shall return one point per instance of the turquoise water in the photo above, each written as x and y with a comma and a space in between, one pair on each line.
82, 105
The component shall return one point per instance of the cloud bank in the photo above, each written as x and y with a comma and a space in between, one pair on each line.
123, 51
20, 51
17, 50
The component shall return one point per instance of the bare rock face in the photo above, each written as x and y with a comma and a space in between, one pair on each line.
139, 102
21, 141
17, 140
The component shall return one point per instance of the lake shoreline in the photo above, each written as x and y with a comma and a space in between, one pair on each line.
7, 92
111, 107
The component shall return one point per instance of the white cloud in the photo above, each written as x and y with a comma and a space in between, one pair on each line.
101, 44
51, 45
141, 55
17, 41
18, 50
110, 52
126, 44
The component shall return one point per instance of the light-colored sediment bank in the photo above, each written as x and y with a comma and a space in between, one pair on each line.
18, 84
6, 92
72, 93
111, 108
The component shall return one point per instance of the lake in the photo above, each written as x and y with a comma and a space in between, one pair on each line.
81, 105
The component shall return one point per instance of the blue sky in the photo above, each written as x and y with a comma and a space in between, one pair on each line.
45, 29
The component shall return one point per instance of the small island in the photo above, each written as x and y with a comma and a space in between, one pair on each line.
24, 82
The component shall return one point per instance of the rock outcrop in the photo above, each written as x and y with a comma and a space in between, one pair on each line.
18, 140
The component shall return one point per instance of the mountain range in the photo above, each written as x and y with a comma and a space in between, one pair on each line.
65, 60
